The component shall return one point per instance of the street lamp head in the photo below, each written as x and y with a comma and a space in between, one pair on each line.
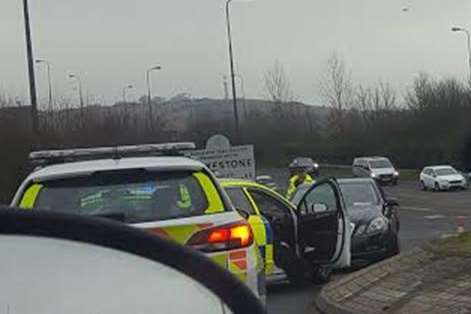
39, 61
72, 75
456, 29
229, 1
157, 67
130, 86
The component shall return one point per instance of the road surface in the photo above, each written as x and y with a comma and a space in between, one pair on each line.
424, 216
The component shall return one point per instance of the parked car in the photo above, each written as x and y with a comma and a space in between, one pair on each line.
440, 178
149, 188
302, 241
311, 167
374, 218
378, 168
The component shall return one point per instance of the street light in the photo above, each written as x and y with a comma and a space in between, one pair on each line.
77, 78
244, 105
125, 88
149, 93
242, 89
231, 62
468, 37
32, 82
49, 79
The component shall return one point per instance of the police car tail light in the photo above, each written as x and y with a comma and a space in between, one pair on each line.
221, 238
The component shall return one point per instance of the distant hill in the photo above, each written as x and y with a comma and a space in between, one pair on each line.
177, 114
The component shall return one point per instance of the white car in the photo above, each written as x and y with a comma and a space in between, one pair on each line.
441, 178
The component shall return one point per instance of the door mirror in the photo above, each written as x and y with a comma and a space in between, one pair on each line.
319, 208
99, 266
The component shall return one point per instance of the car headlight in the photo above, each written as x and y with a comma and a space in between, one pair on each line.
373, 175
316, 165
378, 224
396, 173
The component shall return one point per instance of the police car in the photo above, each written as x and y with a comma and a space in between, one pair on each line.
305, 242
170, 196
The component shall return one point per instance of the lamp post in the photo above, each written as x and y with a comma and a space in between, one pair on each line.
49, 79
244, 105
77, 78
149, 92
32, 81
242, 89
129, 86
231, 63
468, 38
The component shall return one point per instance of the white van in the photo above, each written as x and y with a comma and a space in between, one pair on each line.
379, 168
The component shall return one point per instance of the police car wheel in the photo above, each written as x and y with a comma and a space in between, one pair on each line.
322, 274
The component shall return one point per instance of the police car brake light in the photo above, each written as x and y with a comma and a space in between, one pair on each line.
221, 238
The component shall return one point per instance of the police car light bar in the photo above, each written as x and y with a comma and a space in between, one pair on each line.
52, 156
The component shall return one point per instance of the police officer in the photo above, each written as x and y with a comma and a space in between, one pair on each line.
299, 176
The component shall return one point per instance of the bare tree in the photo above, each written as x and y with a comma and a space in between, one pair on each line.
336, 89
374, 102
277, 84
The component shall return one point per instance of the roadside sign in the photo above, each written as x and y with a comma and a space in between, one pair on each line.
217, 141
225, 160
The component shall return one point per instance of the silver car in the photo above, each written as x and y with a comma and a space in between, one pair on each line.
378, 168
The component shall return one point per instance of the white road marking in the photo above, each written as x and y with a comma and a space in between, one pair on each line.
448, 235
433, 217
418, 209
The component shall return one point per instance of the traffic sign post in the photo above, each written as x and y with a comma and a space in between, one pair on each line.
227, 161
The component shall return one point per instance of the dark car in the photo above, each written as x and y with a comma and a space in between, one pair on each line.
374, 218
311, 167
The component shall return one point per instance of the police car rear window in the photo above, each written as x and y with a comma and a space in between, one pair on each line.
131, 197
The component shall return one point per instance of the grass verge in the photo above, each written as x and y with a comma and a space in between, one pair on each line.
459, 245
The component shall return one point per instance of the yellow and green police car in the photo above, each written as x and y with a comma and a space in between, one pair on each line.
307, 242
174, 197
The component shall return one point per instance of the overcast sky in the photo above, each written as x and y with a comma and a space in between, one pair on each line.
111, 43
